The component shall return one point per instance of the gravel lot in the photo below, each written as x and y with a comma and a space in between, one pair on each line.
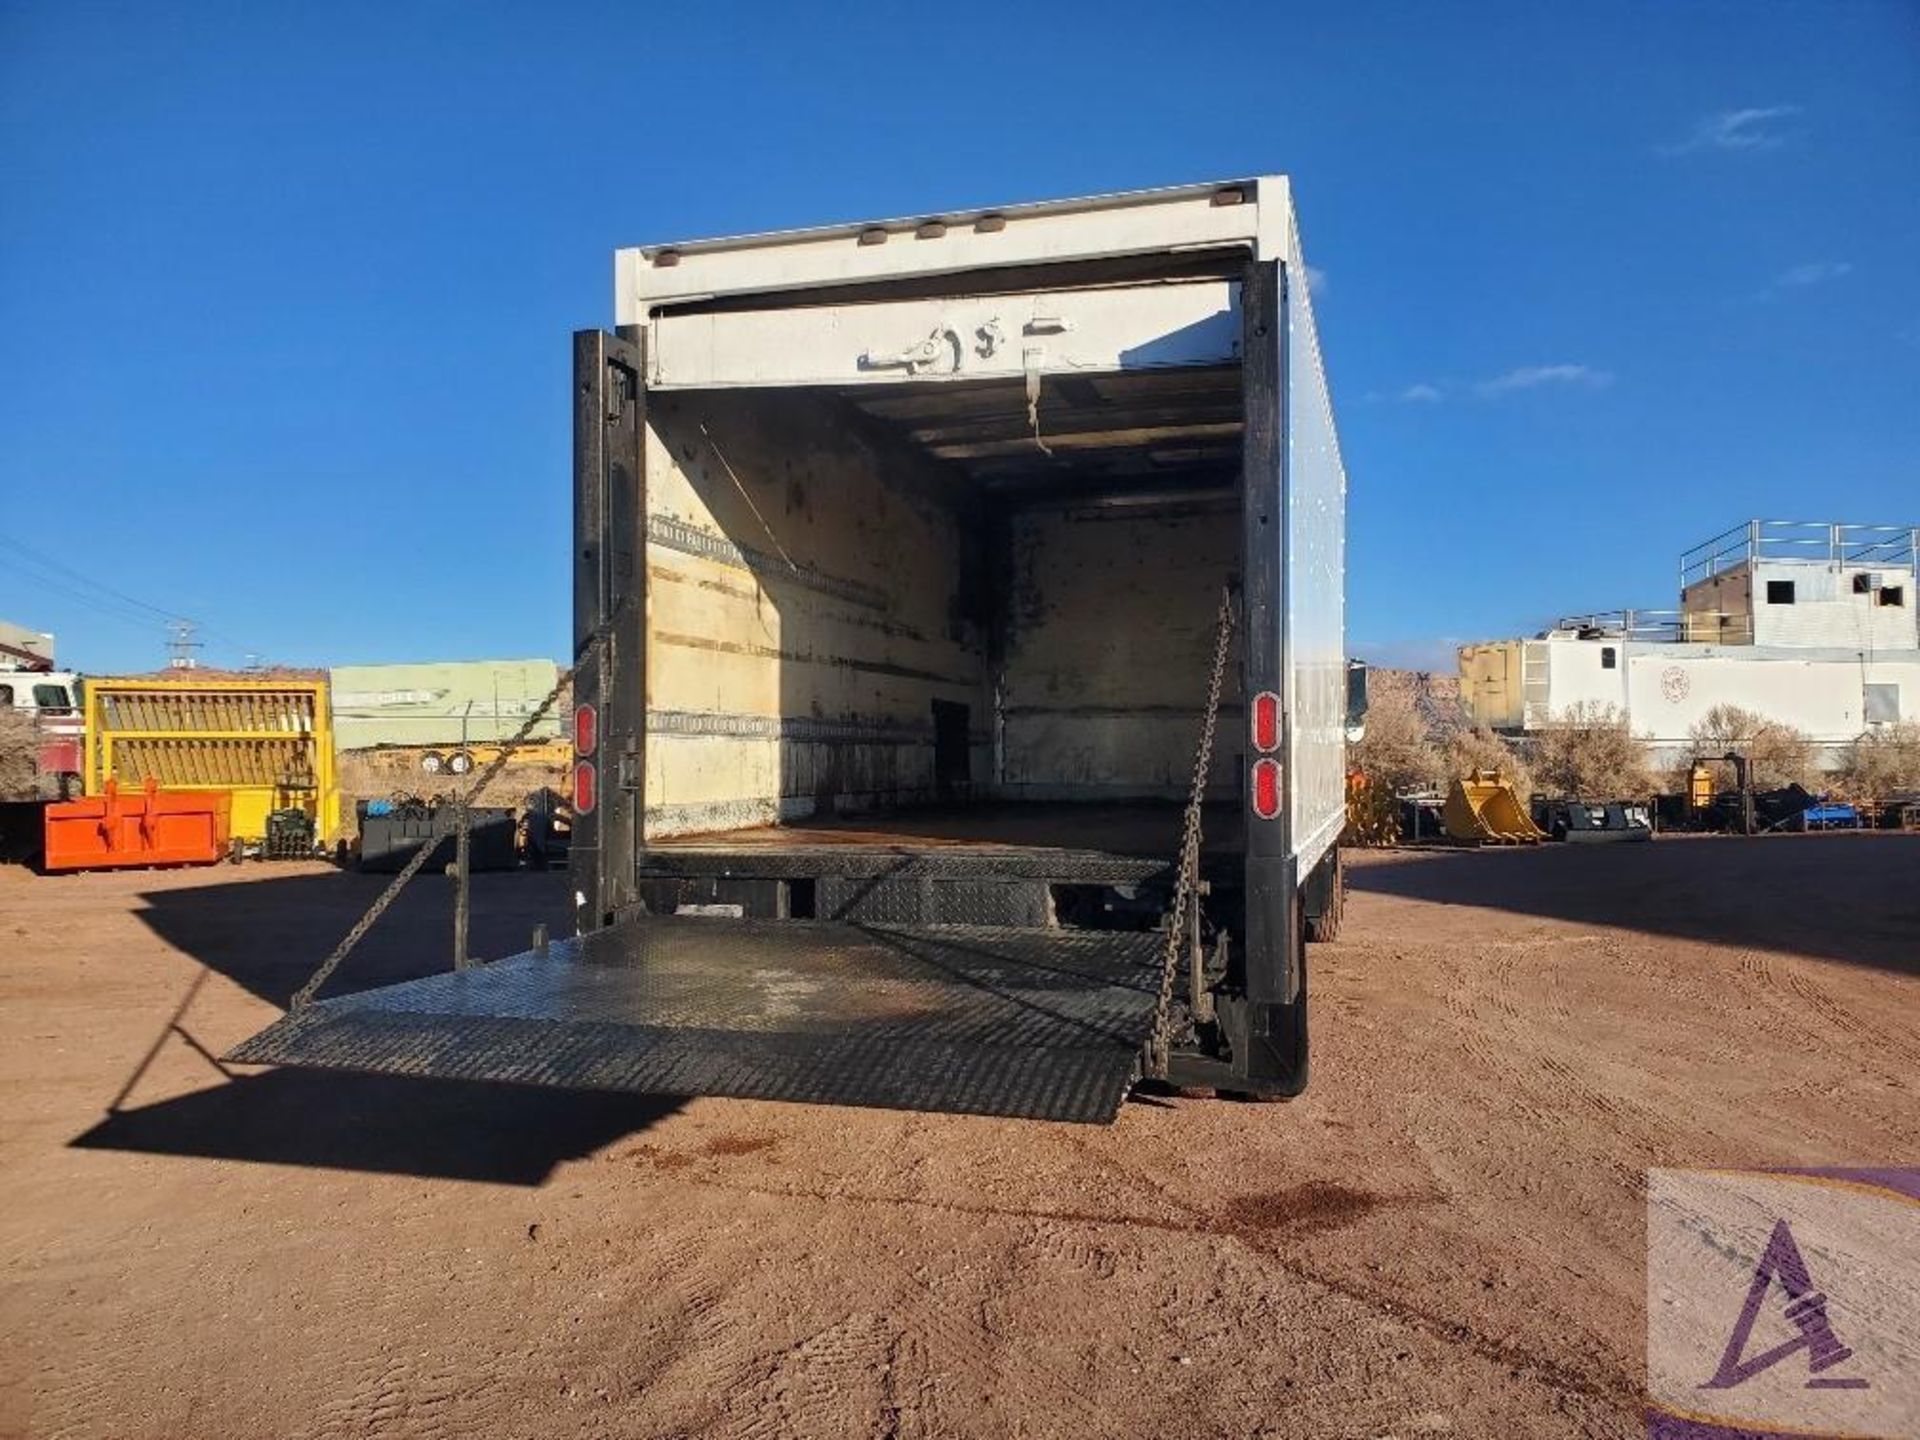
1444, 1236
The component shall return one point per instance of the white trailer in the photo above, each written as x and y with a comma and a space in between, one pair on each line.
1809, 624
899, 549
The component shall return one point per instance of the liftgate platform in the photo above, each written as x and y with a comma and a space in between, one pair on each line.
967, 1018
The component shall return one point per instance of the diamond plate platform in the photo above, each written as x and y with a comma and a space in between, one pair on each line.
968, 1019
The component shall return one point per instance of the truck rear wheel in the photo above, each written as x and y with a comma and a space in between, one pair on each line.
1325, 901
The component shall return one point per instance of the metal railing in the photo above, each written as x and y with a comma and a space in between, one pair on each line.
1883, 547
1663, 627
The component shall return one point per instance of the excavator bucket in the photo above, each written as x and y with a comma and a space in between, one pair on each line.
1483, 809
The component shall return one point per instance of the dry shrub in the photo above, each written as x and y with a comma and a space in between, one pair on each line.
19, 751
1589, 753
1883, 763
1396, 750
1480, 749
1777, 754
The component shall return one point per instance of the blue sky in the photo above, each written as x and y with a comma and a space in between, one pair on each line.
285, 290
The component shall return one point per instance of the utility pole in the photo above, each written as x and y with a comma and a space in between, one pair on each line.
182, 642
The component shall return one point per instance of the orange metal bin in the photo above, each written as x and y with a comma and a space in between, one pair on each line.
155, 827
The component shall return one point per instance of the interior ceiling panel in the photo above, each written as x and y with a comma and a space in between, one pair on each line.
1180, 425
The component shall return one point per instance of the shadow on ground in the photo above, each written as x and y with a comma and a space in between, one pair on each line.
267, 934
440, 1129
1856, 896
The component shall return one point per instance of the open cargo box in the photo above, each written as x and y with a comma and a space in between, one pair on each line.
908, 541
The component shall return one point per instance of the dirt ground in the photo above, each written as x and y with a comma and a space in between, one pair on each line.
1444, 1236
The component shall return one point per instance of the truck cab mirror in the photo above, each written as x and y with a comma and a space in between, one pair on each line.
1356, 701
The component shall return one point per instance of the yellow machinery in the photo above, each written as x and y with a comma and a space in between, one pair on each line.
1483, 809
1700, 787
266, 741
1373, 818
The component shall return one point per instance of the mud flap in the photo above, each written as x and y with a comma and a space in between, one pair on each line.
1043, 1024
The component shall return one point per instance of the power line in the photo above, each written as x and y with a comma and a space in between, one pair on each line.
90, 601
101, 597
47, 560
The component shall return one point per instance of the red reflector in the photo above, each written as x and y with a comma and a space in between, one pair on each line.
1266, 721
586, 728
584, 783
1266, 789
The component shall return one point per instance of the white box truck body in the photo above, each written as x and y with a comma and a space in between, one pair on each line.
899, 548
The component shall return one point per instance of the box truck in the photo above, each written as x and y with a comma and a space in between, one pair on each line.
911, 559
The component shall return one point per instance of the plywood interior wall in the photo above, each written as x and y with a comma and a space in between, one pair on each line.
813, 586
1109, 633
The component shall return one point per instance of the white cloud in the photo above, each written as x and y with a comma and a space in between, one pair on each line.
1814, 272
1753, 128
1802, 277
1316, 280
1421, 393
1531, 377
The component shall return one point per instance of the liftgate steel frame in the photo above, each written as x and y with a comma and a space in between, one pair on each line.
1264, 1016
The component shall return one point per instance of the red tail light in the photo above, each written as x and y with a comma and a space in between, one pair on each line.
586, 730
585, 782
1266, 721
1266, 789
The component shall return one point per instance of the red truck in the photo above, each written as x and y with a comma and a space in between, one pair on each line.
41, 715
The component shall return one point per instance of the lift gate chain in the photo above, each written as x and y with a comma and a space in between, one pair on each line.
304, 995
1187, 875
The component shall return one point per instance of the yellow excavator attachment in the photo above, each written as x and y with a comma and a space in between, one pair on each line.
1484, 809
1372, 820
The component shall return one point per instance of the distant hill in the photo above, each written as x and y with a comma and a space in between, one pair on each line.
1435, 697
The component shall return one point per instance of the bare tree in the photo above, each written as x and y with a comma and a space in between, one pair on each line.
19, 751
1589, 753
1480, 749
1883, 763
1777, 754
1397, 751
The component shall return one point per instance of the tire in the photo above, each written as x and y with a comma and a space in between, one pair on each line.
460, 762
1326, 925
433, 762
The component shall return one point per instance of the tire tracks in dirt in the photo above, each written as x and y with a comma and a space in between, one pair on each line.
1605, 1389
788, 1390
1900, 1052
1523, 1047
1181, 1216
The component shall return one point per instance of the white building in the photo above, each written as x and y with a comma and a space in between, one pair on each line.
24, 649
456, 702
1812, 625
